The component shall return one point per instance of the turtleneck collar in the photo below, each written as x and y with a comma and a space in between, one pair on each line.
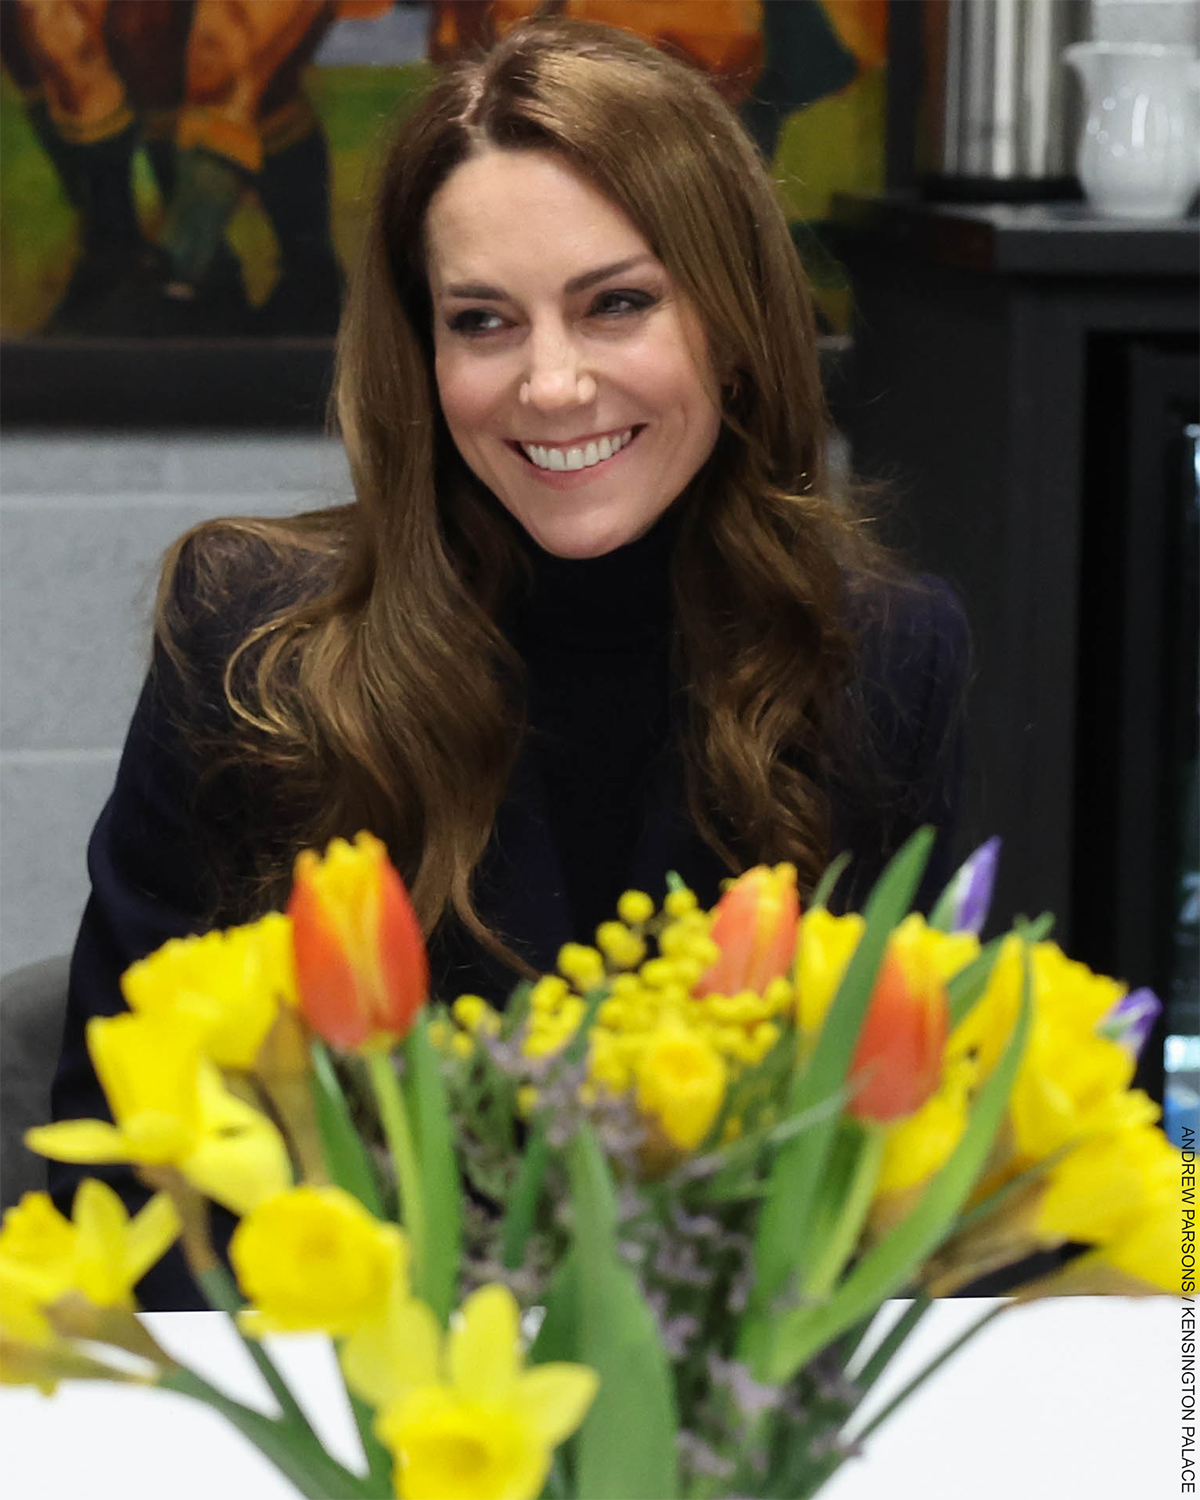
599, 603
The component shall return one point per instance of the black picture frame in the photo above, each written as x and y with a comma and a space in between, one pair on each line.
146, 383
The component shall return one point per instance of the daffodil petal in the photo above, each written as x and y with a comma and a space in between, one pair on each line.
241, 1159
150, 1234
485, 1347
556, 1398
393, 1354
79, 1141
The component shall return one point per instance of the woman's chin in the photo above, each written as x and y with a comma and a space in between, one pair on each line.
579, 542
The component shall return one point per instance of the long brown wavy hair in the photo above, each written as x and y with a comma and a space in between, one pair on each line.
377, 688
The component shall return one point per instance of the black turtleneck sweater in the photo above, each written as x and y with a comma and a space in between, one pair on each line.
595, 638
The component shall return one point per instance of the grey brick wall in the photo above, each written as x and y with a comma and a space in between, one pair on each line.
84, 520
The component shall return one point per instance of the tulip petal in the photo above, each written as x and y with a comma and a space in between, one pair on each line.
325, 978
361, 969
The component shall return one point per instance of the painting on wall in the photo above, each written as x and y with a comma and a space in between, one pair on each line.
175, 172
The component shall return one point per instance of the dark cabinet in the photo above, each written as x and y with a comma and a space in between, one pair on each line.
1022, 376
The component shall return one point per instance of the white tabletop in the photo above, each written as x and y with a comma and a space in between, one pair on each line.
1072, 1399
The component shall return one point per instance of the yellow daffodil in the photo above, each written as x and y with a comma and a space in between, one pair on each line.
1120, 1193
920, 1145
314, 1259
171, 1108
30, 1350
100, 1251
475, 1424
1065, 994
232, 981
681, 1082
825, 947
1073, 1081
100, 1254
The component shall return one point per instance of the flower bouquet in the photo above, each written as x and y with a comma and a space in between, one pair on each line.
626, 1237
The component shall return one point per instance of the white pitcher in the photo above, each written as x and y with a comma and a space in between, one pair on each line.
1139, 155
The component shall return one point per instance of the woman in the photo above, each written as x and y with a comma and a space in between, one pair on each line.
592, 616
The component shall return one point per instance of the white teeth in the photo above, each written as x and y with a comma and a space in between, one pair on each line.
561, 459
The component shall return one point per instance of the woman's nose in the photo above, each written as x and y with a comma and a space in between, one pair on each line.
556, 379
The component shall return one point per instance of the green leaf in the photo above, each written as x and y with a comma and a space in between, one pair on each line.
820, 897
968, 985
558, 1337
522, 1205
296, 1453
627, 1444
889, 1265
429, 1109
785, 1242
1035, 930
346, 1157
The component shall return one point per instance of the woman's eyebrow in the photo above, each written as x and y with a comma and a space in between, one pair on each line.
485, 293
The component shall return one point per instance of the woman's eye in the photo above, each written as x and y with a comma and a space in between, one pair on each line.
616, 303
473, 321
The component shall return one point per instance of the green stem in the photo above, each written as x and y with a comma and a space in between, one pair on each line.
379, 1460
398, 1133
935, 1364
346, 1158
899, 1331
296, 1453
857, 1194
222, 1293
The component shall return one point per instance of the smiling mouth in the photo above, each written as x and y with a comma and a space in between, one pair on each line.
578, 456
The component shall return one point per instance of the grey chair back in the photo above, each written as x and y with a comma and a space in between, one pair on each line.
33, 1003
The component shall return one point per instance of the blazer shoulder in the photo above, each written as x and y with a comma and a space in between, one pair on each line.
914, 648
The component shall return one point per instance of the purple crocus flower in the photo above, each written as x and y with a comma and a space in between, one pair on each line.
1131, 1019
970, 892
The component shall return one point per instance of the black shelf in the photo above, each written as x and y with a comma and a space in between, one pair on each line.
1024, 239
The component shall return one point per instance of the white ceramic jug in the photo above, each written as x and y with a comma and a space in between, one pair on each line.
1139, 155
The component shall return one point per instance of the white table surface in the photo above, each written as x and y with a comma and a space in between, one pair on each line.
1071, 1399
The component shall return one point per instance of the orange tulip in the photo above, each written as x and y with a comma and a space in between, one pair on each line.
754, 926
897, 1063
361, 970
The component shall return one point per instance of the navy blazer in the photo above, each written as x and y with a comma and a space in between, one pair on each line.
150, 880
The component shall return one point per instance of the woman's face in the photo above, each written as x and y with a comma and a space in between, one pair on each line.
574, 378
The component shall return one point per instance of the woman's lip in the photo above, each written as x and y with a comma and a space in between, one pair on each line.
577, 442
